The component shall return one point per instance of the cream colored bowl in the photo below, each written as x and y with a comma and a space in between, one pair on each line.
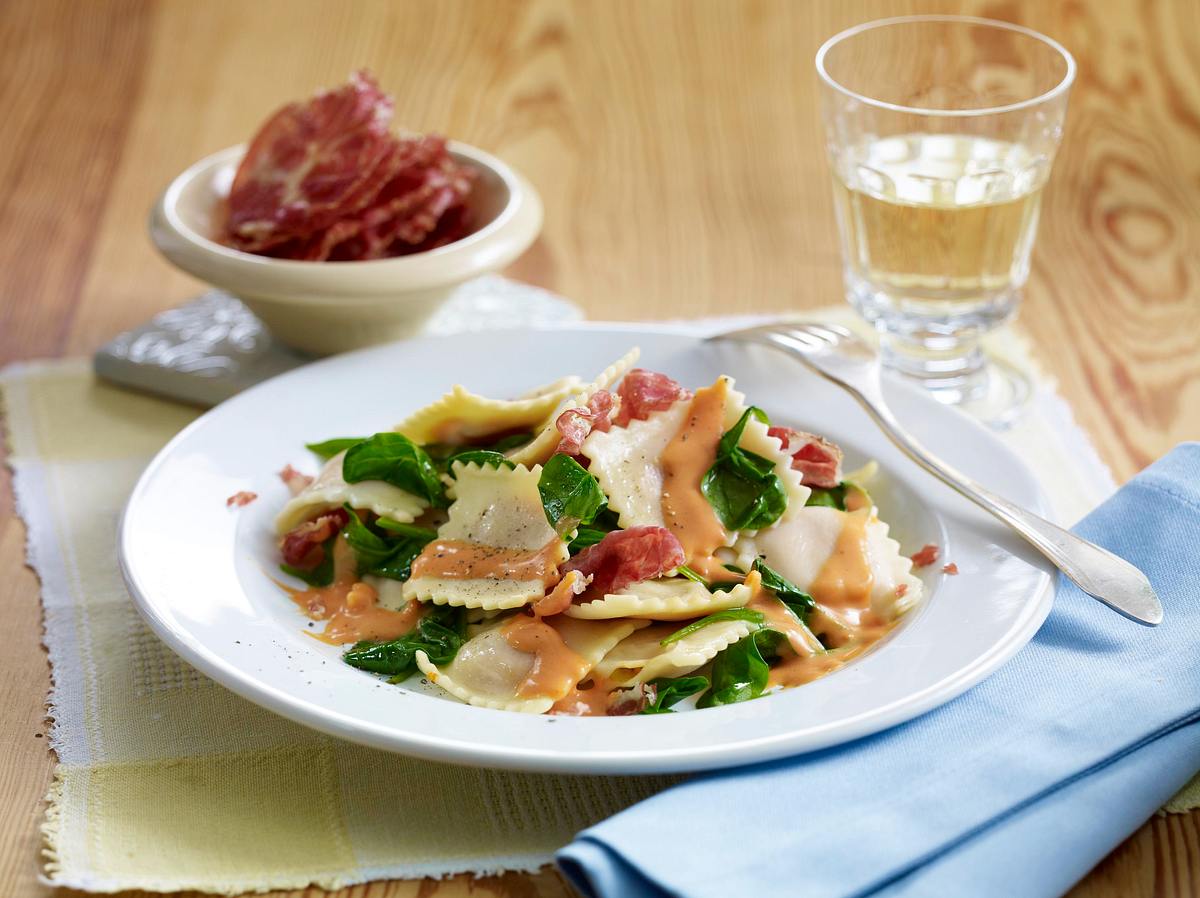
327, 307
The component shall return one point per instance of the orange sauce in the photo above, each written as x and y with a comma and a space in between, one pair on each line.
778, 617
856, 498
454, 559
589, 702
556, 668
352, 608
713, 570
845, 579
558, 599
685, 461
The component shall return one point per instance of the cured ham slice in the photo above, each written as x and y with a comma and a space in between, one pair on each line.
627, 556
817, 459
311, 164
643, 392
575, 424
327, 180
302, 547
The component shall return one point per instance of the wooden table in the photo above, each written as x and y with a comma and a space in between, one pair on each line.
676, 146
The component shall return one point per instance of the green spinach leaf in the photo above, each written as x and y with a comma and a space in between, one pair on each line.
570, 495
385, 554
741, 486
329, 448
481, 457
746, 614
739, 673
669, 692
395, 459
800, 602
440, 633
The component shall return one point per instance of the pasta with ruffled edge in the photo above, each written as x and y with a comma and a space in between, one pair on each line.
544, 443
498, 507
799, 548
663, 599
488, 671
627, 461
330, 490
641, 656
460, 415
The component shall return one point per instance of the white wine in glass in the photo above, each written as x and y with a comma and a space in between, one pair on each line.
938, 218
941, 132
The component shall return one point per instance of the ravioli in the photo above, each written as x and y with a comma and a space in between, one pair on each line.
330, 490
461, 416
799, 548
500, 508
641, 657
488, 671
546, 441
663, 599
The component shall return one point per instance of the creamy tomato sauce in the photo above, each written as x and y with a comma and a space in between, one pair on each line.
350, 607
845, 580
556, 668
453, 559
778, 617
684, 462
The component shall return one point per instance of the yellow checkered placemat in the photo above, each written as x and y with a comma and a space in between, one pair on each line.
167, 781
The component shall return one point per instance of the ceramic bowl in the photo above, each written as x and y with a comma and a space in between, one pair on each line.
328, 307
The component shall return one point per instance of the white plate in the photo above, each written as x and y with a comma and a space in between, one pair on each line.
201, 572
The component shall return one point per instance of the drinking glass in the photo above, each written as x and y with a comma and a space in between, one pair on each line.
941, 131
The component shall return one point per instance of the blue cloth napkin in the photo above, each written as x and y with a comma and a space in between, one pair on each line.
1019, 787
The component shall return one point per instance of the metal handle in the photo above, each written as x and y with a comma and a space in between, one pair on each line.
1098, 572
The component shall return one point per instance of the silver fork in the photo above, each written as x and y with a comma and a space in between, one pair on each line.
840, 356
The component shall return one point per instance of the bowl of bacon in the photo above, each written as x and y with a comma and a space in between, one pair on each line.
339, 233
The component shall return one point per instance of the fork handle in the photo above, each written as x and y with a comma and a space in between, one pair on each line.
1098, 572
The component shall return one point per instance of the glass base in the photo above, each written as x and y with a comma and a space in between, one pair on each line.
989, 389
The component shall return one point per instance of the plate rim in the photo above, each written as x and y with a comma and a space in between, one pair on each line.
633, 760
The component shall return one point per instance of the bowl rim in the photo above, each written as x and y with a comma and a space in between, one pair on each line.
167, 207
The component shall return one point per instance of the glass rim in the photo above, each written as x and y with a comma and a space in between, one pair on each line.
1062, 87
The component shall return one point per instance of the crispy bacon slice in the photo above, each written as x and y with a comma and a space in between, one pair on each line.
632, 700
576, 423
294, 480
926, 555
311, 164
240, 499
818, 460
627, 556
302, 547
642, 392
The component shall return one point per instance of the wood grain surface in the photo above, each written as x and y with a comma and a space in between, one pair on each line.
676, 146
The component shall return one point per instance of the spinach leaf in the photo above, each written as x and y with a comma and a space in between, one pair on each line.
604, 523
716, 585
383, 554
800, 602
747, 614
833, 497
670, 692
742, 487
839, 496
585, 537
481, 457
329, 448
512, 441
440, 633
322, 574
570, 495
739, 673
395, 459
409, 530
